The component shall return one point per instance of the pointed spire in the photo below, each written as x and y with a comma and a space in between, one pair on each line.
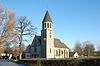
47, 18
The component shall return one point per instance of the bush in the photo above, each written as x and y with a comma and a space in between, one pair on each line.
62, 62
0, 57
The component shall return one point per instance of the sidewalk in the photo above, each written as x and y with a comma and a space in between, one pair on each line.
7, 63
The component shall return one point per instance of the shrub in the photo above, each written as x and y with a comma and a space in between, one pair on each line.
62, 62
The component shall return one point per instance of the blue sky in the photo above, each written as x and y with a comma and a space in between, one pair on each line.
73, 20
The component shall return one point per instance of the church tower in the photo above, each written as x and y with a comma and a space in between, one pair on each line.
47, 38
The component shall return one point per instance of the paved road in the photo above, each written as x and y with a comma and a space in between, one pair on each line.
7, 63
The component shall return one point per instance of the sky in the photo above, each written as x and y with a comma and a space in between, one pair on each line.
73, 20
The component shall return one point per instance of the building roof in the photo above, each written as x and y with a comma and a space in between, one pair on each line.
71, 54
59, 44
47, 18
36, 39
39, 39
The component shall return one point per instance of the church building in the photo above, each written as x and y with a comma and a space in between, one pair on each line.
46, 46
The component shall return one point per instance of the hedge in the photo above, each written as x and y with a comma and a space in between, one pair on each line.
62, 62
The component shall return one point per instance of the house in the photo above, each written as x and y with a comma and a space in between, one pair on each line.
74, 54
26, 55
46, 46
6, 55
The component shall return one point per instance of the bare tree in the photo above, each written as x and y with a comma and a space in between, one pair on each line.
1, 24
8, 34
78, 48
98, 48
16, 53
1, 14
98, 51
1, 50
89, 48
24, 28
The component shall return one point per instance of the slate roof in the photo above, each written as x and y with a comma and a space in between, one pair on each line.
47, 18
39, 39
36, 38
59, 44
71, 54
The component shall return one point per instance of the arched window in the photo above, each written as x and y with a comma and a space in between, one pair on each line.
47, 25
50, 50
56, 52
59, 52
62, 52
50, 25
50, 36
